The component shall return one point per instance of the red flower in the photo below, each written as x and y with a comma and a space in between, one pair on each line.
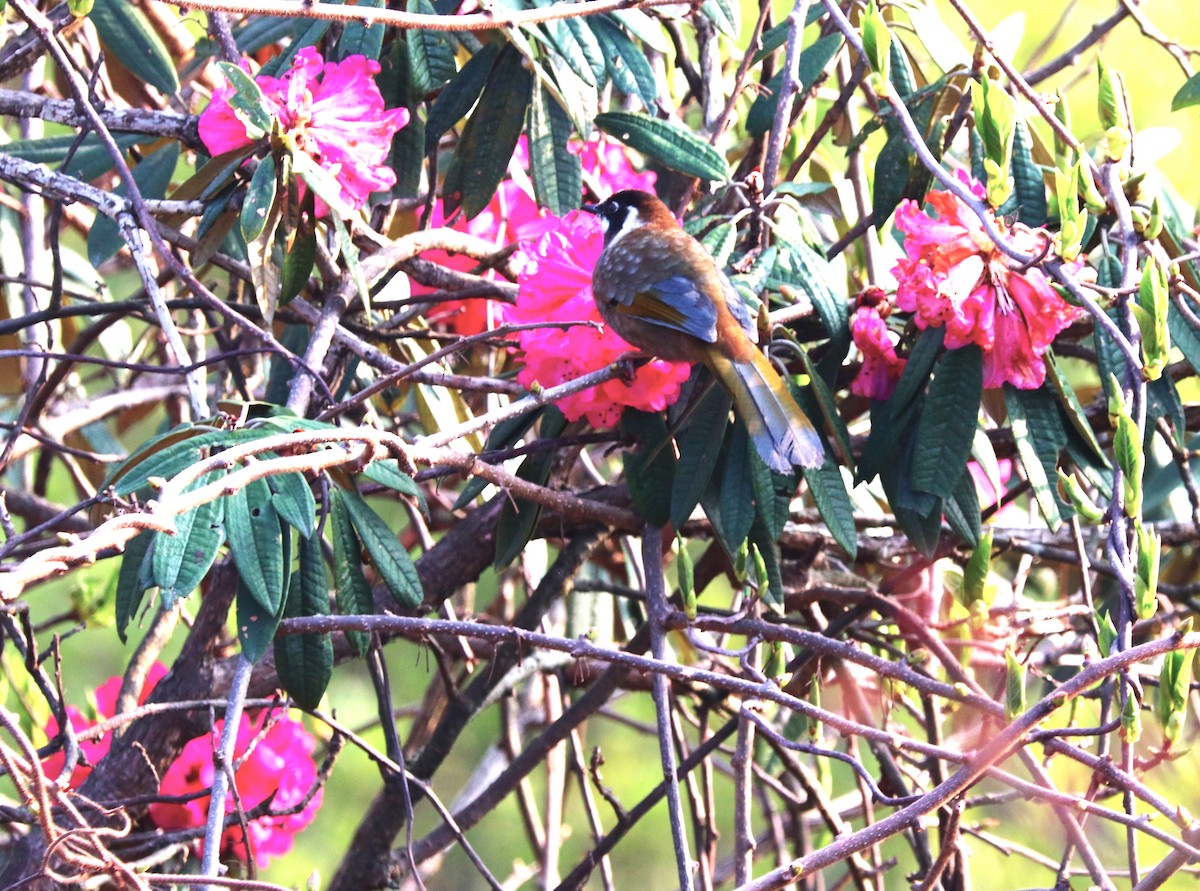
278, 767
556, 286
333, 112
954, 275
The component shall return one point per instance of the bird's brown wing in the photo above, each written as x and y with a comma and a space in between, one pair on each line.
675, 303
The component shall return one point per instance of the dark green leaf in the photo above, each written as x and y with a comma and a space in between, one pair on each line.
490, 136
255, 625
388, 473
305, 661
667, 143
828, 489
181, 561
650, 467
152, 176
167, 454
299, 257
893, 169
1187, 95
1069, 404
1039, 435
131, 42
800, 267
626, 62
1184, 336
349, 581
504, 435
590, 46
256, 542
302, 33
1028, 200
948, 421
293, 500
699, 446
726, 15
90, 160
394, 564
247, 101
459, 96
260, 199
129, 586
557, 173
962, 510
729, 500
430, 54
360, 38
813, 61
772, 496
768, 546
916, 372
518, 517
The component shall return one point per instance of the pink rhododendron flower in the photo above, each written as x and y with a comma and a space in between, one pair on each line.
278, 767
953, 275
513, 215
105, 698
333, 112
556, 286
881, 367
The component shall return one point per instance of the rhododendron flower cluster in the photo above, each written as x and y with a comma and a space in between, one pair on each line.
953, 275
555, 275
273, 763
513, 215
333, 112
881, 367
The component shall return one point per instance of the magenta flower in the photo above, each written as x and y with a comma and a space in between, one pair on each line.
556, 286
333, 112
881, 367
275, 765
953, 275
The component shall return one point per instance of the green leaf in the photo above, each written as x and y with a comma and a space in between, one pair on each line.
813, 61
667, 143
557, 173
248, 102
255, 625
293, 500
519, 517
490, 137
349, 581
699, 446
590, 46
305, 661
388, 473
650, 467
152, 177
504, 435
131, 42
256, 542
916, 372
893, 169
1039, 436
1187, 95
799, 266
962, 510
828, 489
729, 499
169, 453
392, 561
460, 95
360, 39
626, 62
300, 254
430, 54
90, 160
767, 544
181, 561
948, 421
725, 14
129, 586
260, 199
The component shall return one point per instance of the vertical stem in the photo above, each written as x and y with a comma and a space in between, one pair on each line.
656, 598
789, 86
223, 762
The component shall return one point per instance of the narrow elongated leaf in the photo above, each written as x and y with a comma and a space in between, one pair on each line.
1039, 436
181, 561
518, 517
504, 435
131, 42
490, 136
729, 500
260, 199
293, 500
800, 267
557, 173
948, 421
152, 176
90, 160
1187, 95
699, 447
360, 38
247, 101
667, 143
460, 94
962, 510
1028, 200
167, 454
393, 562
129, 586
255, 625
388, 473
626, 62
813, 61
650, 468
353, 592
430, 54
828, 489
256, 541
305, 661
589, 44
300, 255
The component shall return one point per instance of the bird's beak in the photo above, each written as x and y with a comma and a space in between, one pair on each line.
590, 208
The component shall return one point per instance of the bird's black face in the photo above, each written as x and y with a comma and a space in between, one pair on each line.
619, 214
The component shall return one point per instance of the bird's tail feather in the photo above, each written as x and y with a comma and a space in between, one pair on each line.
779, 429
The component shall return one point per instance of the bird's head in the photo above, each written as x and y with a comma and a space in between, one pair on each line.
630, 209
